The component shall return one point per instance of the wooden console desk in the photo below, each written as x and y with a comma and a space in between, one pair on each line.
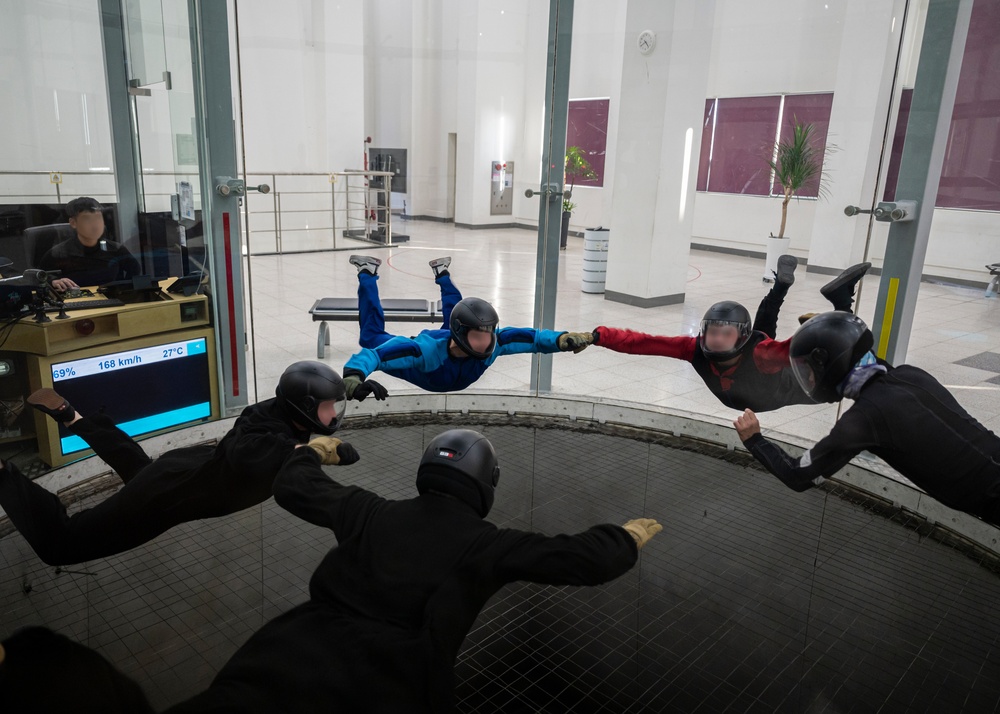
31, 347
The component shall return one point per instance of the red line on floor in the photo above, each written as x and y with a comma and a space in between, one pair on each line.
388, 261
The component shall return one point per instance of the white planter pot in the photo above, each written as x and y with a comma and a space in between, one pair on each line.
776, 247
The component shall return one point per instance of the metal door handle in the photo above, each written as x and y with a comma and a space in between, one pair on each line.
887, 211
227, 186
548, 192
855, 210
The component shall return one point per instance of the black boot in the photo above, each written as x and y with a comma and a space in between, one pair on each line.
840, 290
784, 276
50, 402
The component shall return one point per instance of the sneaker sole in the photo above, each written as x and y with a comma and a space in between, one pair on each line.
786, 269
48, 398
360, 260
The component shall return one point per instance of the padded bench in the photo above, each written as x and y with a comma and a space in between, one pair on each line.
346, 309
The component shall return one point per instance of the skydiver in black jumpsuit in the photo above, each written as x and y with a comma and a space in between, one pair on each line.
43, 671
392, 603
181, 485
901, 414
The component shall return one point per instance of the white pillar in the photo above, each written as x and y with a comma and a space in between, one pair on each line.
857, 124
657, 139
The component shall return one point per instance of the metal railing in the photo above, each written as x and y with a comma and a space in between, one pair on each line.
355, 205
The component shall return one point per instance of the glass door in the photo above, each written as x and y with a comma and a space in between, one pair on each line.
183, 138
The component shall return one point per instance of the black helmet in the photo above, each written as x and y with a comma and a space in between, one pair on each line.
301, 389
825, 349
463, 464
726, 312
473, 314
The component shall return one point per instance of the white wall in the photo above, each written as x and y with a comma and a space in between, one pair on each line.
433, 107
435, 67
494, 53
302, 65
775, 46
53, 100
744, 222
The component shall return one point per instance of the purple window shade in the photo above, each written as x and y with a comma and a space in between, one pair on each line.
892, 170
970, 175
587, 127
744, 133
807, 109
706, 146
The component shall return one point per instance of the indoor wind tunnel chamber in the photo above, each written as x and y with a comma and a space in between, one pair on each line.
754, 597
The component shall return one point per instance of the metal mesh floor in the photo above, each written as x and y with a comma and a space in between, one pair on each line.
754, 598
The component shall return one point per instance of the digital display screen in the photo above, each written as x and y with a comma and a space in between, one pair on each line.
143, 390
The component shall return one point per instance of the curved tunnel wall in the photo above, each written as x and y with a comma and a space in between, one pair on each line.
754, 597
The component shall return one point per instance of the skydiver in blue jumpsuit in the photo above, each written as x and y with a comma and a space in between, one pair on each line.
447, 359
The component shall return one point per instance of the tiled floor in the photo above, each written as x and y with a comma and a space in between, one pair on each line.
956, 331
753, 599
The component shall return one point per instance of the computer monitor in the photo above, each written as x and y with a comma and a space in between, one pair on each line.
141, 288
15, 299
146, 385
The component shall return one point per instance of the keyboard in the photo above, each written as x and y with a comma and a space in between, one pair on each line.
91, 304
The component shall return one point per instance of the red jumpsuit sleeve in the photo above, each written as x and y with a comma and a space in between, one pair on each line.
772, 356
639, 343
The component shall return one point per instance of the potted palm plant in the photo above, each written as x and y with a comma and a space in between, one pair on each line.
577, 169
796, 163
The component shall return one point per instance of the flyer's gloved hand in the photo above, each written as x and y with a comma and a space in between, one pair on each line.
642, 529
334, 452
576, 341
347, 454
358, 389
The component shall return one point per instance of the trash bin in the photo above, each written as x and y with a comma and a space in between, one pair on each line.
595, 259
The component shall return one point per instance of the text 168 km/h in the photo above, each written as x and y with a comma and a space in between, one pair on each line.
118, 362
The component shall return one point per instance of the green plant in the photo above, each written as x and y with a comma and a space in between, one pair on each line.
795, 163
577, 169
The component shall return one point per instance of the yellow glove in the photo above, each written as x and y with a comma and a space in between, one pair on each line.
642, 529
327, 448
576, 341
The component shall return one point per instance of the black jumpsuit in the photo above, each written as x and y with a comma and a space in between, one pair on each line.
910, 420
392, 603
181, 485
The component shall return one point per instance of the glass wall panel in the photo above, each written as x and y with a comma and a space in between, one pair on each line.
409, 131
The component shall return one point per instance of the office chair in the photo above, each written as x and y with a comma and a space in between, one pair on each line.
40, 239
